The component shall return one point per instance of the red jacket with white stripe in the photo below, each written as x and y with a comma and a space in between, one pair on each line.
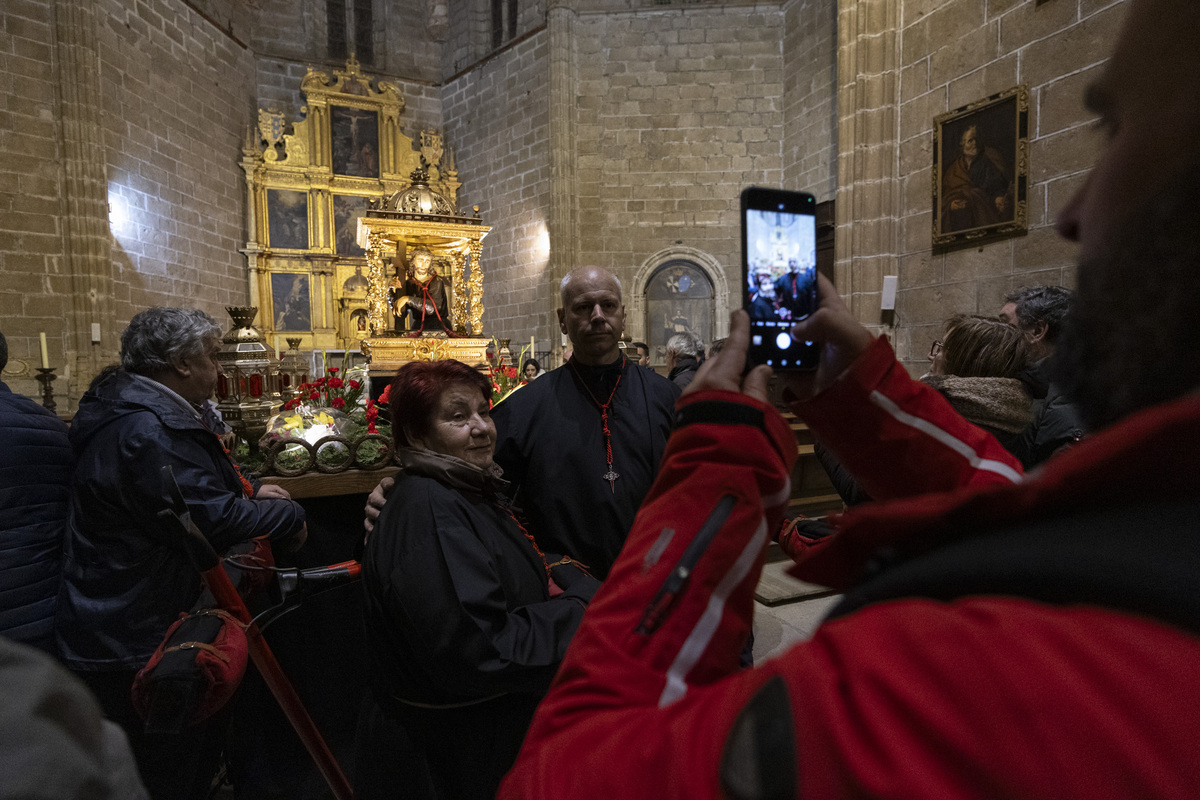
989, 695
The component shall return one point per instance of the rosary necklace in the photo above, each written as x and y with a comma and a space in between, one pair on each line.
610, 476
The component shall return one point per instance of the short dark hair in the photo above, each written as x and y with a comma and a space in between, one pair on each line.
1042, 305
158, 336
642, 345
983, 347
3, 351
416, 389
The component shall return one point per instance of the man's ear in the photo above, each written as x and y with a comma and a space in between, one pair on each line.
562, 320
1038, 332
183, 367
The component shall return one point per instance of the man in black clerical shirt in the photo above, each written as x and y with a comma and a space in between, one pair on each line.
581, 445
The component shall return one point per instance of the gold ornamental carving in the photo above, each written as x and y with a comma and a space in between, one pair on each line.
309, 181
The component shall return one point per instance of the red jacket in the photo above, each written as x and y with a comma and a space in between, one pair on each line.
985, 696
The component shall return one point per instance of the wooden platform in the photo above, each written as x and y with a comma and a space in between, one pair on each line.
316, 484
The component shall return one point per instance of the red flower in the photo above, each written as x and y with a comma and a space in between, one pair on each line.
290, 404
372, 413
315, 396
371, 427
387, 390
338, 403
332, 370
320, 382
355, 384
335, 383
511, 372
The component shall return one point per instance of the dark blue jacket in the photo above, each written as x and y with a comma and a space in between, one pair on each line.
124, 581
35, 475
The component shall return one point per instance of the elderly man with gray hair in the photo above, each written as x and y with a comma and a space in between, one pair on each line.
685, 353
123, 583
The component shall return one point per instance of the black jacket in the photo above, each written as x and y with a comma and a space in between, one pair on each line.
35, 474
683, 371
457, 601
124, 582
1056, 423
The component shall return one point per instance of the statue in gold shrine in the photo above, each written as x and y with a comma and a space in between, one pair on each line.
419, 299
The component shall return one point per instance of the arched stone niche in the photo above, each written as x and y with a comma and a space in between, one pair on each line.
677, 288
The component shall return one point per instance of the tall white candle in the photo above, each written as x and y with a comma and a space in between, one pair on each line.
45, 353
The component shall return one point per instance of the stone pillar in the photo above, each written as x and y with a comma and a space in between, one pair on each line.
868, 199
563, 224
86, 241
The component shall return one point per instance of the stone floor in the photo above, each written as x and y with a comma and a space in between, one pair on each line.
776, 628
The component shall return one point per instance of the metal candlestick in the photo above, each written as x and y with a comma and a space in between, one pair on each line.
46, 377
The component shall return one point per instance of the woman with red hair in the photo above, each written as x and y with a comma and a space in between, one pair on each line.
467, 619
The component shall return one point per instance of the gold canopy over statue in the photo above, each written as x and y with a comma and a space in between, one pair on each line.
425, 288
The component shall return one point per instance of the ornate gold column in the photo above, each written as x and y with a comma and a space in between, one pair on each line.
475, 285
86, 241
379, 319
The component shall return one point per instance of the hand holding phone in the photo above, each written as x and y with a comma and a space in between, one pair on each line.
779, 275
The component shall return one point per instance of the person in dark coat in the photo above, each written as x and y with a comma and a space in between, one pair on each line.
1039, 312
467, 618
35, 474
123, 584
684, 351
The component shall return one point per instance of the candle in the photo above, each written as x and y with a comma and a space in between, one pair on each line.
45, 354
531, 346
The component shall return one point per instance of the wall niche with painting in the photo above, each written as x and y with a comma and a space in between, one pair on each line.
309, 182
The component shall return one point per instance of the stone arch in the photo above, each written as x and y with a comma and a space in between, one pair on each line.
637, 323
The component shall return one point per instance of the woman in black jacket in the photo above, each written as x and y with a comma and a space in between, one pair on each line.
467, 619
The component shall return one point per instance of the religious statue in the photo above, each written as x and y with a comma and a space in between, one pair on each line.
419, 300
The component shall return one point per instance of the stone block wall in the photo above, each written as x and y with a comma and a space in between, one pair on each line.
177, 92
809, 97
497, 122
677, 110
35, 282
951, 54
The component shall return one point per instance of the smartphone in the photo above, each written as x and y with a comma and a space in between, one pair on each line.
779, 275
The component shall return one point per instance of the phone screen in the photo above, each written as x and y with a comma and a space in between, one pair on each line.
779, 274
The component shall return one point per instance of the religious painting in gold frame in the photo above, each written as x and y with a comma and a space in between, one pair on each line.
287, 219
981, 170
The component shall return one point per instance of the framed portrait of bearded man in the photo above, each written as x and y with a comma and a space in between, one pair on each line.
981, 170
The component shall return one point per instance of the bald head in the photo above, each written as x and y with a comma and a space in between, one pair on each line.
590, 273
592, 314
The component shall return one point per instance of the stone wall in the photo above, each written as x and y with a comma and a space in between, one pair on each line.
809, 99
497, 123
35, 282
944, 55
177, 93
678, 109
116, 201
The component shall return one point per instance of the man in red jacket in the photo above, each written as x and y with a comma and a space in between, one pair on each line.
999, 636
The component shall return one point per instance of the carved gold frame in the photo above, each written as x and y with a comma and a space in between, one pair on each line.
1010, 107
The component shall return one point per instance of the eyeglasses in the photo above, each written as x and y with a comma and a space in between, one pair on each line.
936, 348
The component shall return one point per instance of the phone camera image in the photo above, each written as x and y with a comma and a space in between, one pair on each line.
779, 274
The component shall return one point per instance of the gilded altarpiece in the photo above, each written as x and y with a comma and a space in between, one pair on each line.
309, 182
